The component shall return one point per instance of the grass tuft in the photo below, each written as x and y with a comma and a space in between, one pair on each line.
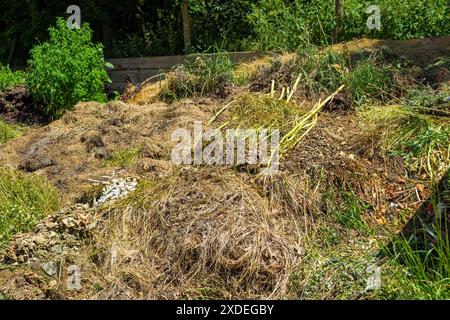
10, 78
24, 201
122, 158
9, 131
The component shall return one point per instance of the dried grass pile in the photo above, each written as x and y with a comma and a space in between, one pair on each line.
202, 233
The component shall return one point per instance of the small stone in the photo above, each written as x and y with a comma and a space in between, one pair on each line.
50, 268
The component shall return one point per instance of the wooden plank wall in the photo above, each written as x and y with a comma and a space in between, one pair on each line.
140, 69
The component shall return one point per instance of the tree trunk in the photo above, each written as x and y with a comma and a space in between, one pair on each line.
339, 12
12, 51
186, 26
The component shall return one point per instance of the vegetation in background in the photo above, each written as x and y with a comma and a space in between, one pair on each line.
280, 24
143, 27
24, 201
9, 78
130, 27
67, 69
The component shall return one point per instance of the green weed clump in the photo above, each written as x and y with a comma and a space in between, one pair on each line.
425, 100
318, 71
369, 81
322, 71
206, 74
24, 201
66, 69
9, 78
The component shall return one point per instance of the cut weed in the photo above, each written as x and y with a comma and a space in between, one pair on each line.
346, 208
422, 140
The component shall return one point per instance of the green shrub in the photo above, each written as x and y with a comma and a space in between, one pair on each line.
66, 69
9, 78
24, 201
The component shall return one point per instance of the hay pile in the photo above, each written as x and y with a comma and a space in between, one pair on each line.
201, 233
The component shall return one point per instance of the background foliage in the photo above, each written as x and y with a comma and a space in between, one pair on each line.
144, 27
286, 24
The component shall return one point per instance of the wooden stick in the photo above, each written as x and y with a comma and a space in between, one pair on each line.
282, 93
294, 88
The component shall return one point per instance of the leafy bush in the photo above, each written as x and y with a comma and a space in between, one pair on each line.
9, 78
67, 69
24, 201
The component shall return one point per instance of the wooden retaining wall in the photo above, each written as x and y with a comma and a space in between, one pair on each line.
140, 69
